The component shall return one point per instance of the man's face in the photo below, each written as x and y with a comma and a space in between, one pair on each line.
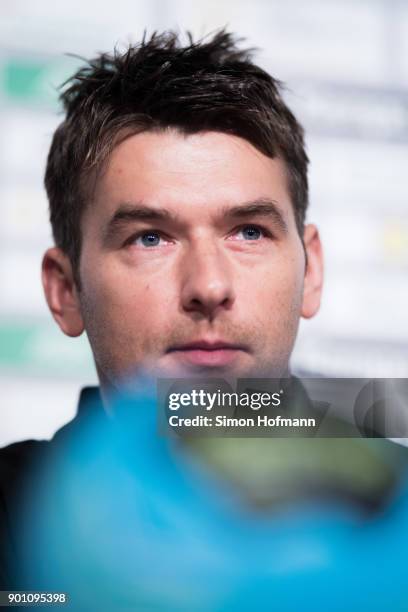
191, 262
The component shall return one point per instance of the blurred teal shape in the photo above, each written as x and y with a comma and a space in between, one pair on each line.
36, 347
23, 78
135, 522
34, 79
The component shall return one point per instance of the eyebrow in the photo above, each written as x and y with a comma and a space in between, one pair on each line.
131, 212
263, 207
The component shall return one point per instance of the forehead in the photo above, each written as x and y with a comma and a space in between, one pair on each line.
189, 175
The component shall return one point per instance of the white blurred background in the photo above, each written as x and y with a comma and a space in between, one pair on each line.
345, 63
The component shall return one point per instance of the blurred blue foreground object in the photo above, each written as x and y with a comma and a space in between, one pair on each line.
126, 519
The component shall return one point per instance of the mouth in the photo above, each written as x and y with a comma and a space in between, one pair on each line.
207, 354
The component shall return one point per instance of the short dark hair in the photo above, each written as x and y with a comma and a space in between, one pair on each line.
161, 83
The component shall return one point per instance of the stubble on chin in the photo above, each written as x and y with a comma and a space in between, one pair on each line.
136, 354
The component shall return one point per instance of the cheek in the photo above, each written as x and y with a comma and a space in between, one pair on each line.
125, 323
278, 291
129, 308
112, 287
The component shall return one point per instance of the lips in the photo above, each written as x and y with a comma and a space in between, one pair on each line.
205, 345
207, 353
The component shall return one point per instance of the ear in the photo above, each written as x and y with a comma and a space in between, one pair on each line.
61, 292
313, 282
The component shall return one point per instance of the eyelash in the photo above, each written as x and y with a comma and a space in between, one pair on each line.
142, 233
266, 233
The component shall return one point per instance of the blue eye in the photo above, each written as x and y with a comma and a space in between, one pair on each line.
251, 232
150, 239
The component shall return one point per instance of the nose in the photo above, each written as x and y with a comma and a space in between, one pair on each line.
207, 287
